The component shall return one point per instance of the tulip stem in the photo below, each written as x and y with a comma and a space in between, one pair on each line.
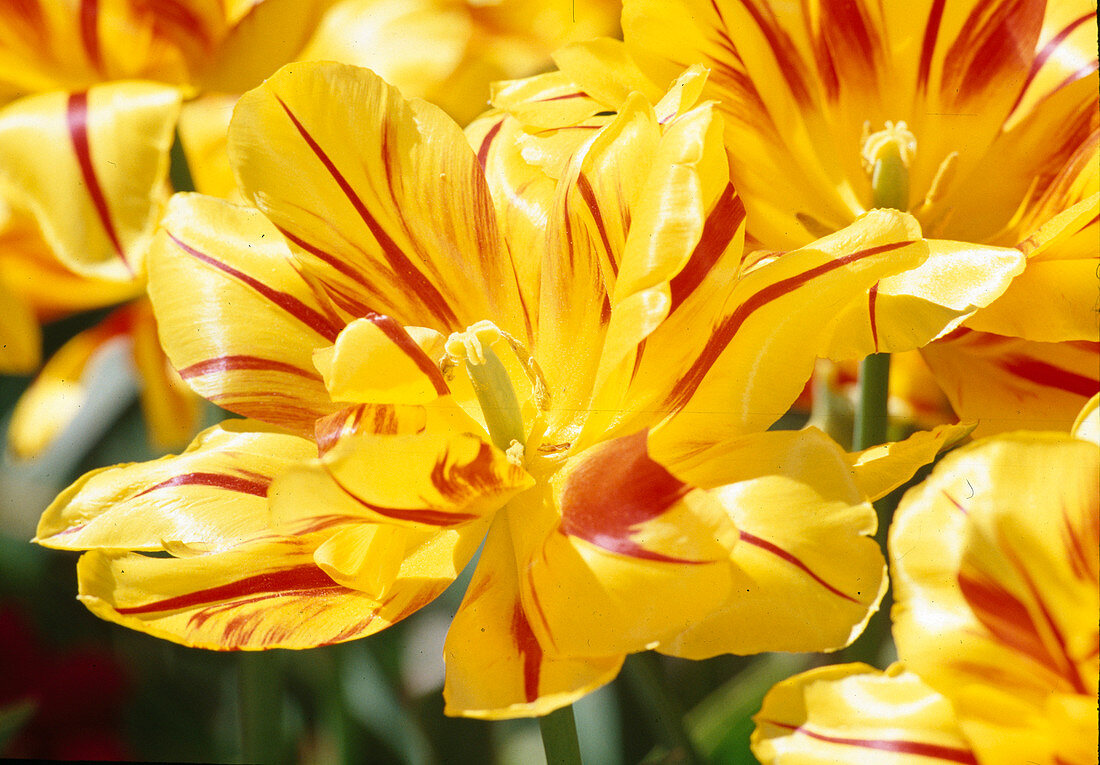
179, 172
261, 706
871, 415
645, 675
559, 737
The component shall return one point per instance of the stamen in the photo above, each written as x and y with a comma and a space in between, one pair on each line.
887, 155
945, 173
490, 381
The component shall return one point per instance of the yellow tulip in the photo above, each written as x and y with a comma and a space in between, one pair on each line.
417, 385
996, 568
984, 141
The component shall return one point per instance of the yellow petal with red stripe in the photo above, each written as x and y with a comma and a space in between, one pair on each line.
776, 321
429, 479
807, 573
209, 497
883, 468
237, 318
33, 273
1007, 383
852, 713
90, 166
396, 219
266, 593
908, 310
635, 555
995, 610
376, 361
496, 666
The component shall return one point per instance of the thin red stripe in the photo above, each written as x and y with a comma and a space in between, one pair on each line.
399, 337
928, 45
949, 753
77, 118
238, 362
483, 150
1047, 52
311, 317
413, 515
299, 581
764, 544
1050, 376
872, 299
397, 260
89, 31
720, 338
719, 230
589, 197
257, 488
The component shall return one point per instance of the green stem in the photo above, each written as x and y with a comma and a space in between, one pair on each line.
645, 675
179, 172
261, 706
559, 737
871, 416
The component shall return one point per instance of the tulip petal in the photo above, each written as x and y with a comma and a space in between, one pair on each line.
172, 410
429, 479
881, 469
396, 219
759, 355
64, 387
995, 609
376, 361
851, 713
261, 594
90, 166
496, 666
237, 319
203, 132
807, 573
637, 554
908, 310
1007, 383
208, 497
20, 337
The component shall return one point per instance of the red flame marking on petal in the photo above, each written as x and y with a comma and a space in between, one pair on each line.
311, 317
530, 650
483, 150
938, 751
299, 581
77, 118
397, 260
238, 362
257, 488
779, 552
399, 337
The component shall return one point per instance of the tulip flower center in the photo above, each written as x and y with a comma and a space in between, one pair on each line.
490, 380
887, 155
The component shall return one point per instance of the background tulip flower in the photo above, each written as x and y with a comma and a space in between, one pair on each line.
815, 98
994, 620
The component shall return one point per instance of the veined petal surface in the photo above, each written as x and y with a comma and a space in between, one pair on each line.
397, 219
266, 593
804, 546
207, 498
496, 666
238, 319
1006, 383
995, 610
852, 713
94, 192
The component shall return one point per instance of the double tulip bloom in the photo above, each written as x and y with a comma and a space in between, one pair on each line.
591, 404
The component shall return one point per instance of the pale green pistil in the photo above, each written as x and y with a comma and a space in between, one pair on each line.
490, 381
